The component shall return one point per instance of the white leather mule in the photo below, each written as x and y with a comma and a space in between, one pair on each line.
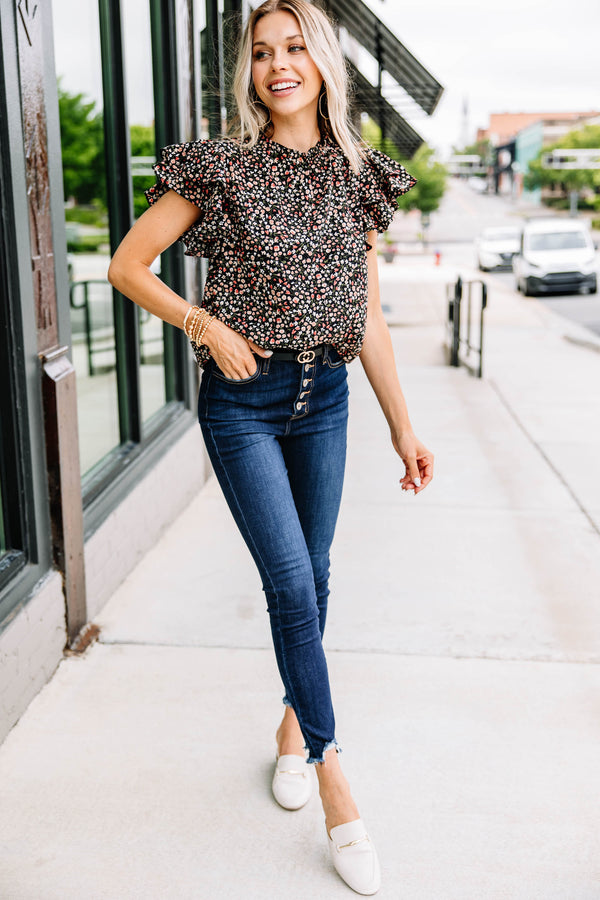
292, 781
354, 857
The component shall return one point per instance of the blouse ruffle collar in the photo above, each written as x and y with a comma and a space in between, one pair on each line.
325, 145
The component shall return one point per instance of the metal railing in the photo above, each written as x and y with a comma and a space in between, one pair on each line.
102, 340
461, 330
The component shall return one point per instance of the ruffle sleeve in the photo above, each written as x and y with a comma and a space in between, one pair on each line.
382, 180
200, 172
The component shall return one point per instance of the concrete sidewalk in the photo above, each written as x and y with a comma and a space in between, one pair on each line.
463, 650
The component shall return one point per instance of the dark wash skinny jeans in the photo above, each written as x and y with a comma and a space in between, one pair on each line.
277, 442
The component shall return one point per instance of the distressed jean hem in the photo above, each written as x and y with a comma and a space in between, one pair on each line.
328, 746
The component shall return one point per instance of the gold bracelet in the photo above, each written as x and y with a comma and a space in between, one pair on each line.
207, 323
193, 322
196, 326
187, 315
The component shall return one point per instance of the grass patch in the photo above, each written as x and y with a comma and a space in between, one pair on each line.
89, 244
87, 215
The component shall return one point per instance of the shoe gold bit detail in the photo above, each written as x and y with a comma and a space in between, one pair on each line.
340, 847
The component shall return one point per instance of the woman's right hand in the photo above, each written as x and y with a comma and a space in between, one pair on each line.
232, 352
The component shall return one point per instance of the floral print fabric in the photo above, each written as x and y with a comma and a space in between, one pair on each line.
284, 233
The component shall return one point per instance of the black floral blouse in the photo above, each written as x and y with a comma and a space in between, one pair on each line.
284, 233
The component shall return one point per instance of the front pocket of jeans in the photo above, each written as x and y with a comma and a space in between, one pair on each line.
333, 364
218, 374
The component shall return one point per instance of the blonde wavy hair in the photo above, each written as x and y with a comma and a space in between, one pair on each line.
326, 53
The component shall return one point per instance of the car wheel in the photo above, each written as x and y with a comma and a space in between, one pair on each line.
528, 290
518, 286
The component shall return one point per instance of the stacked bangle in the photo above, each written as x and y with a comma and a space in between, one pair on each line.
196, 323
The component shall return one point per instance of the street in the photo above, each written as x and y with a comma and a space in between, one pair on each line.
463, 214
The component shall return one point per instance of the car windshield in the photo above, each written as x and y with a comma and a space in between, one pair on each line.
557, 240
507, 235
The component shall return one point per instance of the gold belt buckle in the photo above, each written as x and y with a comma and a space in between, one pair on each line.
306, 356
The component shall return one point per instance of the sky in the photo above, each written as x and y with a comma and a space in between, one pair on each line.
77, 53
518, 56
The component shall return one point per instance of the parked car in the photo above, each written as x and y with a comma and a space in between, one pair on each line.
495, 247
556, 255
478, 183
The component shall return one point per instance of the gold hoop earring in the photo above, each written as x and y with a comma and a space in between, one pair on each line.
323, 116
268, 122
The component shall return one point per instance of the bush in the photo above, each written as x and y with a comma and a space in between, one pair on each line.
87, 215
596, 224
140, 184
88, 244
556, 202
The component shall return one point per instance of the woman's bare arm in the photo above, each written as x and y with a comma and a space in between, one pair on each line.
159, 227
377, 358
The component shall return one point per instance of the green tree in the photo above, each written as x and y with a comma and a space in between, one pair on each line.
483, 149
142, 144
431, 178
568, 179
142, 140
479, 148
82, 143
431, 175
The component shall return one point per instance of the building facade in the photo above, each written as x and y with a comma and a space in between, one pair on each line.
517, 138
100, 446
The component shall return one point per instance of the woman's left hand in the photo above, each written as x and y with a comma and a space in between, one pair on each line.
417, 459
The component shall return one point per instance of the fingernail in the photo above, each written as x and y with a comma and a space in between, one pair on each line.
417, 481
268, 353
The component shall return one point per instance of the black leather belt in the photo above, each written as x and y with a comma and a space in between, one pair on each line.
300, 356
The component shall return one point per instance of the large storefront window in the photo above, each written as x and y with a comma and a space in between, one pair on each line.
140, 108
79, 72
13, 465
126, 360
2, 537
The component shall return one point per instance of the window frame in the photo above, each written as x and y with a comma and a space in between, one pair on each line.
16, 499
137, 438
25, 500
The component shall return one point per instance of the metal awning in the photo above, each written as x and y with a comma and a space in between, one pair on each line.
391, 55
394, 127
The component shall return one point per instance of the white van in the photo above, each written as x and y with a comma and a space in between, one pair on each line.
556, 255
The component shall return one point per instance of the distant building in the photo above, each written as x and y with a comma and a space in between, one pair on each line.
466, 164
517, 138
504, 127
528, 143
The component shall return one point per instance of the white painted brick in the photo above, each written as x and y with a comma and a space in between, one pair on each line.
31, 647
52, 660
15, 632
9, 670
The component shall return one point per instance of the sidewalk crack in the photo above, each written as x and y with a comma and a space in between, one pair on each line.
544, 455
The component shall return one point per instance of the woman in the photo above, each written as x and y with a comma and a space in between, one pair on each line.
288, 215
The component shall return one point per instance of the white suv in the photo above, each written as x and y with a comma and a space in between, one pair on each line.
556, 255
